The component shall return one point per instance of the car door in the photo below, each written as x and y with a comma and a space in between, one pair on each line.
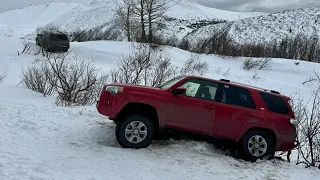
235, 108
195, 110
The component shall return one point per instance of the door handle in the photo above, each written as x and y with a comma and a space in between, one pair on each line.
249, 114
209, 107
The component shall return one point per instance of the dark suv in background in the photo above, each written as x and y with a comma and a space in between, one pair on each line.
53, 42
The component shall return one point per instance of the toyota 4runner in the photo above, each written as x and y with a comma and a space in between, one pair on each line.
259, 121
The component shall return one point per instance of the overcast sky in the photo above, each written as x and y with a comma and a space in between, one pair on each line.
259, 5
232, 5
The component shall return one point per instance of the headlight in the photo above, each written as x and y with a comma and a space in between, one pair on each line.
114, 89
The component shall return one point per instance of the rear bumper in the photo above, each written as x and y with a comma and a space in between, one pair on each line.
287, 142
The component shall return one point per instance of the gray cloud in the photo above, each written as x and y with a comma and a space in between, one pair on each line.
258, 5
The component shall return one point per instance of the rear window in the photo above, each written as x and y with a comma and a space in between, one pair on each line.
59, 37
63, 37
236, 96
275, 104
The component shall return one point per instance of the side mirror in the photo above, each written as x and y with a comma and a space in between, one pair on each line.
179, 91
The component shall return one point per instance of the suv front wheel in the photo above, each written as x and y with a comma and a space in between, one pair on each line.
257, 144
135, 132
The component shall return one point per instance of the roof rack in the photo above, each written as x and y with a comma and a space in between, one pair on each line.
255, 87
225, 80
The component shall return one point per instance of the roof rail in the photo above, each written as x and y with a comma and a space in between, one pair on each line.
255, 87
225, 80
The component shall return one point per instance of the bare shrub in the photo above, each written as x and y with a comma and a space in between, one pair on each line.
47, 29
264, 63
103, 32
100, 83
40, 78
227, 72
184, 44
218, 70
73, 79
249, 64
171, 41
2, 77
147, 66
131, 67
301, 47
26, 47
162, 71
255, 75
193, 66
76, 78
308, 116
315, 78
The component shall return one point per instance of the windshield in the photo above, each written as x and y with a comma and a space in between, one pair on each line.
171, 82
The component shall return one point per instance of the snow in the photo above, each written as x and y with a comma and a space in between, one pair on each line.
35, 15
69, 17
42, 141
39, 140
269, 27
193, 11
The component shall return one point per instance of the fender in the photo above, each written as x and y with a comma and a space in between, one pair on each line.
258, 126
146, 99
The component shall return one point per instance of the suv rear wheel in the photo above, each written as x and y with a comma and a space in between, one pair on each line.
135, 132
257, 144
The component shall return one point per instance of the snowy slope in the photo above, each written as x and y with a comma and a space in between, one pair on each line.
192, 11
36, 15
74, 16
246, 27
269, 27
39, 140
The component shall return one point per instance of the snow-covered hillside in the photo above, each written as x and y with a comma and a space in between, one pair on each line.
181, 20
84, 16
39, 140
270, 27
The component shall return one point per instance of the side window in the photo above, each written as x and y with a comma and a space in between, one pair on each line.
201, 89
192, 88
275, 104
236, 96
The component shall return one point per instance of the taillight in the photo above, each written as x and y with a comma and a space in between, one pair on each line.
114, 89
294, 123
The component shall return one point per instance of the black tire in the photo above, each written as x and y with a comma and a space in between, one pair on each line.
246, 154
121, 135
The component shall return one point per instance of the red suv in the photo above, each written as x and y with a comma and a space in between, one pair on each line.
259, 121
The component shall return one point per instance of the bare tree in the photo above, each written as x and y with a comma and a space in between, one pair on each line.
139, 9
149, 13
155, 11
308, 115
124, 16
